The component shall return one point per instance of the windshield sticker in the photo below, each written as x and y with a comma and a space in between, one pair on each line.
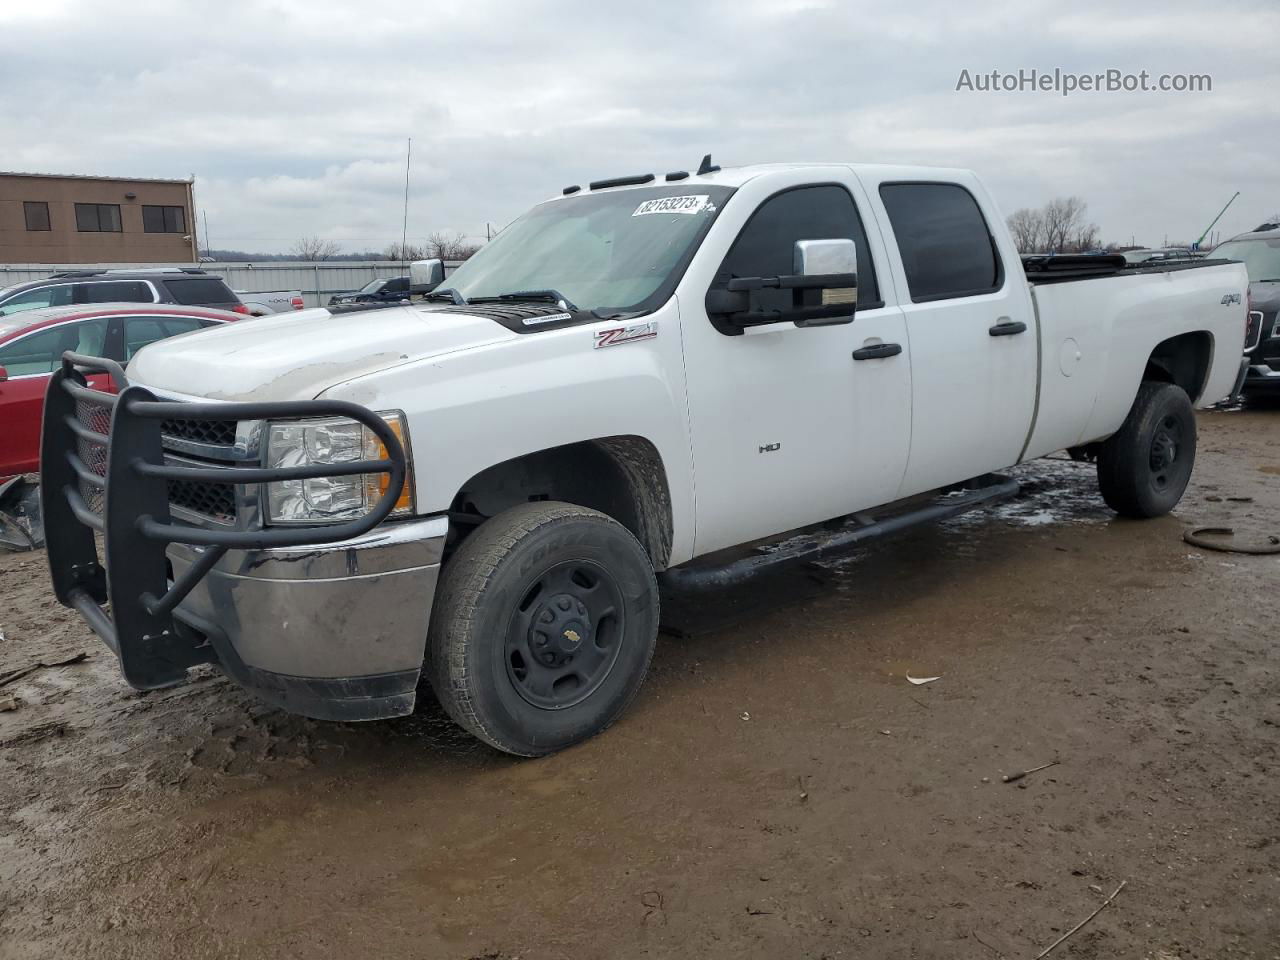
689, 205
549, 318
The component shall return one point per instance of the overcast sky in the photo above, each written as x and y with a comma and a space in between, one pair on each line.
293, 114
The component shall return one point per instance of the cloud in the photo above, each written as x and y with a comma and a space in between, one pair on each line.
294, 114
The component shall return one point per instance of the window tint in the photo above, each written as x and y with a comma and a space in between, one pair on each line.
40, 352
398, 285
56, 296
766, 245
98, 217
37, 214
946, 248
198, 291
116, 291
140, 331
164, 219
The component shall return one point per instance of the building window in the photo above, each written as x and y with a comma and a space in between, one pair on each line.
98, 217
164, 219
37, 214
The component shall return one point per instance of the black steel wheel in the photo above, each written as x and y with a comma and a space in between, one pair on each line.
1144, 468
544, 623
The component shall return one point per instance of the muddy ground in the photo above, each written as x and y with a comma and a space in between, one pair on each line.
778, 790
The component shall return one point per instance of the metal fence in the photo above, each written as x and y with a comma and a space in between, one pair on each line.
317, 280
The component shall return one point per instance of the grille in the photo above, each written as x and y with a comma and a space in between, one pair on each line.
214, 500
97, 417
220, 433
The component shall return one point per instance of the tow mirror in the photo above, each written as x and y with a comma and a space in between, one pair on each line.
425, 275
823, 288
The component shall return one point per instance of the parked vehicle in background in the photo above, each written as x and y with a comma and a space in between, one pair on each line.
32, 343
260, 303
382, 290
480, 487
187, 286
1162, 255
1259, 251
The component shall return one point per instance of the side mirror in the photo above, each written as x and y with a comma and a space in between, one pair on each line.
823, 291
425, 275
4, 374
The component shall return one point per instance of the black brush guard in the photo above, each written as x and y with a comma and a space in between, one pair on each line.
105, 449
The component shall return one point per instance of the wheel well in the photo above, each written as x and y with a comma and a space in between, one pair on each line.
619, 476
1183, 360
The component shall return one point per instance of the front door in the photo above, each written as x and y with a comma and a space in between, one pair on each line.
788, 428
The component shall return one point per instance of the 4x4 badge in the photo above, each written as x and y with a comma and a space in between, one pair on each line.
620, 335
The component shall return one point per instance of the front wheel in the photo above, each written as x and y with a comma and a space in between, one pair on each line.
1144, 468
544, 623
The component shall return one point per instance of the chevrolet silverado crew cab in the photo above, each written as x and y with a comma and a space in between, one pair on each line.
631, 380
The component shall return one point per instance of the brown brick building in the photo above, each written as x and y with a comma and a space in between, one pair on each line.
75, 219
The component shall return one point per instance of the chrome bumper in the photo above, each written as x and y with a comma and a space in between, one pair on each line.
336, 631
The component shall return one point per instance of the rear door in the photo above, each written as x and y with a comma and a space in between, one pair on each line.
29, 361
971, 329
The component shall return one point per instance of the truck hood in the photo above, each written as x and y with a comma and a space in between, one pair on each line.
298, 356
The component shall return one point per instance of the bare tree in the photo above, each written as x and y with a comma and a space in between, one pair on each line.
314, 248
405, 252
1027, 227
1057, 227
447, 247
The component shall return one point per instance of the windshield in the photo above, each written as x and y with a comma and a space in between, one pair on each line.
373, 286
617, 250
1261, 257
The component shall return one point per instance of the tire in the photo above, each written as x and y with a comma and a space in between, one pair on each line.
544, 623
1144, 468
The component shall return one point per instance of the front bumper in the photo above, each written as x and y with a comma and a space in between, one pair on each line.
336, 632
328, 620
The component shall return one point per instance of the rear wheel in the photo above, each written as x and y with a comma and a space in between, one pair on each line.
1144, 468
543, 627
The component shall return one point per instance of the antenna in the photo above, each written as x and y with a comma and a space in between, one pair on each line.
404, 236
1196, 245
706, 166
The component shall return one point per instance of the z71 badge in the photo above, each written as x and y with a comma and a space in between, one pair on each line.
620, 335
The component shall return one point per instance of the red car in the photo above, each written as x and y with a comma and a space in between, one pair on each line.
32, 344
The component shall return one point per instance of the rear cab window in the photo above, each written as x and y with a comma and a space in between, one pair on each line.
200, 291
946, 246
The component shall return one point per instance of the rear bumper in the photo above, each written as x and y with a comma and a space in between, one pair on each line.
336, 632
1260, 377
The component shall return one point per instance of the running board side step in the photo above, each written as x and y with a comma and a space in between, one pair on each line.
977, 493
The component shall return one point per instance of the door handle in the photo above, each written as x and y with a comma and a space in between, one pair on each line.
877, 351
1007, 328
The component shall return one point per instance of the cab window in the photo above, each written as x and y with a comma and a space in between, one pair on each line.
140, 331
766, 245
947, 250
56, 296
41, 352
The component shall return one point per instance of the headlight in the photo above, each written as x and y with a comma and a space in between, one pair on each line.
297, 443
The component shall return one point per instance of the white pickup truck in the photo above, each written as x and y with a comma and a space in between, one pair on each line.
479, 489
